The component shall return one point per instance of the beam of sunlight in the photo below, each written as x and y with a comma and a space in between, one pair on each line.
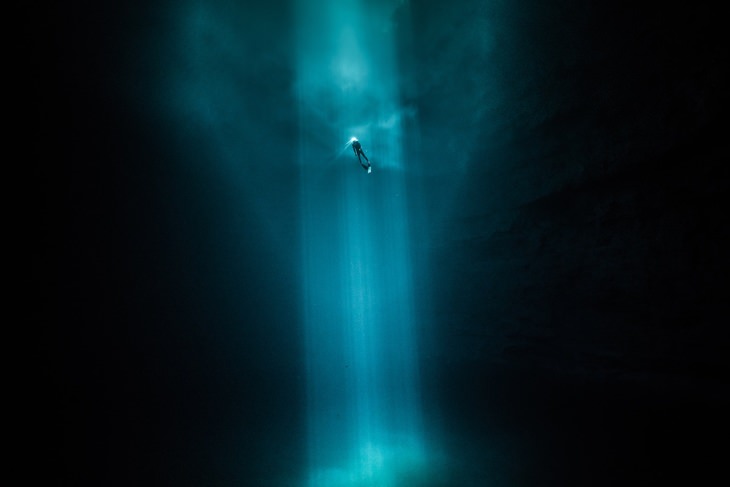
364, 417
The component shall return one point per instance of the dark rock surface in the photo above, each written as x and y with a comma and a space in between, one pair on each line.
581, 258
590, 235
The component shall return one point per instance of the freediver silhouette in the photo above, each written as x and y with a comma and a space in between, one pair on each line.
359, 152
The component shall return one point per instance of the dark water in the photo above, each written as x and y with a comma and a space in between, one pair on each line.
558, 198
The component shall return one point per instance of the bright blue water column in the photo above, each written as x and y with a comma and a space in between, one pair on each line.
364, 417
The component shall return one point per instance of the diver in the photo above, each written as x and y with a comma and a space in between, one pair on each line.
359, 152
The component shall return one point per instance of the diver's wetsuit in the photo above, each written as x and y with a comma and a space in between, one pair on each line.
358, 152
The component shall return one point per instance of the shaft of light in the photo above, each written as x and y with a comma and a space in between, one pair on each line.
364, 420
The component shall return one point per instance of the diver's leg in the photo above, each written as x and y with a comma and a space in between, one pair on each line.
366, 167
